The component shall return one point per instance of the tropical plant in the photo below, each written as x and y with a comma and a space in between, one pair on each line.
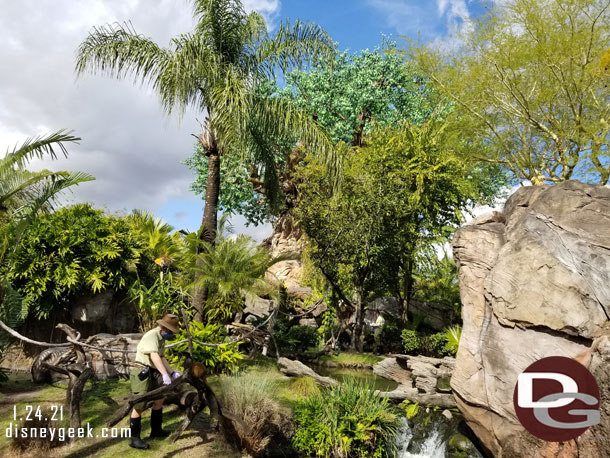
74, 251
216, 69
453, 336
345, 421
231, 269
24, 195
166, 246
222, 357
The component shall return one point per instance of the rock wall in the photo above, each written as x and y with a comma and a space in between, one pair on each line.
534, 282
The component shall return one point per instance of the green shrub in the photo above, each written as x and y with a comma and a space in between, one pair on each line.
345, 421
295, 339
434, 345
410, 340
74, 251
221, 358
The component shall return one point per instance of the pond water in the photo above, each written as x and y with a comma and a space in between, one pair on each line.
341, 374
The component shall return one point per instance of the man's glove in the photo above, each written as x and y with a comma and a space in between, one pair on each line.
175, 375
166, 379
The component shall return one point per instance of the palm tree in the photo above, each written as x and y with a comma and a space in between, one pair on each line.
216, 69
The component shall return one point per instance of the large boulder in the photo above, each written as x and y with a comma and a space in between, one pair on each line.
534, 282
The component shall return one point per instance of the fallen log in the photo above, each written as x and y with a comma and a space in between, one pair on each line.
295, 368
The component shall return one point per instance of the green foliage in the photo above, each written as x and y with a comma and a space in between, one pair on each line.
23, 195
411, 408
437, 345
360, 92
221, 358
75, 250
452, 337
230, 269
294, 339
163, 296
345, 421
527, 88
402, 193
437, 282
410, 340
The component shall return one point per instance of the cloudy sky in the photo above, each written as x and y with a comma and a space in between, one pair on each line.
132, 148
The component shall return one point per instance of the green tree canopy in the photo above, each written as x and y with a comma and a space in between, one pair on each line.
527, 83
406, 189
348, 97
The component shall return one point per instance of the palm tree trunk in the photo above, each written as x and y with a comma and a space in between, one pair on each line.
209, 221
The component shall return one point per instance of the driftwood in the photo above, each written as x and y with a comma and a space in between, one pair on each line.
418, 379
78, 373
295, 368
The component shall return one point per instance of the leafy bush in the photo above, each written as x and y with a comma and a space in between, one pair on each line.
410, 340
250, 396
345, 421
76, 250
434, 345
221, 358
294, 339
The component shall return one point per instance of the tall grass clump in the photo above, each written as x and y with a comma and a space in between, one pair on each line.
250, 396
348, 421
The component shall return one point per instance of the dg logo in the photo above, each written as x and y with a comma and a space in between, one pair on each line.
556, 399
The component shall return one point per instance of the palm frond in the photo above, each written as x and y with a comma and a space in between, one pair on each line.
117, 50
292, 46
37, 147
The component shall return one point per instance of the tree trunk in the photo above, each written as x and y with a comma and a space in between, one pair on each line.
209, 222
407, 293
356, 343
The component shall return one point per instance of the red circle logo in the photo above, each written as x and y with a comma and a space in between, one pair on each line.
557, 399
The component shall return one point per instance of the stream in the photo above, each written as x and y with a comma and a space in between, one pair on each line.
428, 434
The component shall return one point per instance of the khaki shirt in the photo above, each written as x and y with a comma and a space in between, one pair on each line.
379, 322
151, 342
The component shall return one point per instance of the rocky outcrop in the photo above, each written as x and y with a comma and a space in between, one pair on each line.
420, 379
534, 282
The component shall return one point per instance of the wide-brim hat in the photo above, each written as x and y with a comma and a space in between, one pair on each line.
170, 322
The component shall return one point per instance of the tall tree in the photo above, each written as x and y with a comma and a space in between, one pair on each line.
215, 68
406, 188
348, 97
527, 82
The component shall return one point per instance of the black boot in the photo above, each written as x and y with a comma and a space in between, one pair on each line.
136, 428
156, 420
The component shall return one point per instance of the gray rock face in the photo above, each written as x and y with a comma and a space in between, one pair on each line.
534, 282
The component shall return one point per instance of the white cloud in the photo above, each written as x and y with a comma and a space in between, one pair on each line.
439, 21
128, 143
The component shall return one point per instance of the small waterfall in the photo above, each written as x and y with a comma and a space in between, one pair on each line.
433, 446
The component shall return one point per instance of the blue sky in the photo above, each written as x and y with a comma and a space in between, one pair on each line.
129, 144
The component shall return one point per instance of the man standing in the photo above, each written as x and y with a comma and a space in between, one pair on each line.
155, 372
377, 327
